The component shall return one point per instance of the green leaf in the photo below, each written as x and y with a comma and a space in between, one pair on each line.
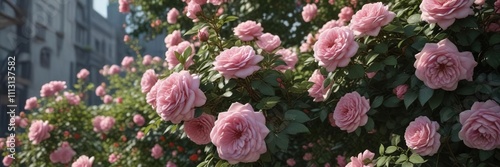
413, 19
392, 101
454, 132
322, 115
436, 100
377, 101
358, 131
391, 60
370, 124
355, 71
282, 141
391, 149
294, 128
425, 94
494, 39
466, 90
446, 113
296, 115
407, 164
395, 139
230, 18
376, 66
263, 87
202, 164
492, 58
381, 48
381, 160
484, 155
416, 159
268, 102
381, 149
401, 159
222, 163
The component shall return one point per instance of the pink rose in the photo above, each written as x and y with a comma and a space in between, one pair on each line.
148, 80
146, 60
422, 137
493, 26
345, 14
99, 91
103, 124
237, 62
331, 120
309, 12
177, 96
127, 61
171, 164
140, 135
307, 157
289, 57
203, 34
310, 39
441, 65
219, 11
335, 47
63, 154
138, 119
114, 69
156, 59
83, 161
151, 95
240, 124
172, 16
305, 47
51, 88
31, 103
497, 6
330, 24
104, 70
364, 159
72, 98
216, 2
193, 9
21, 122
113, 158
350, 112
39, 131
180, 48
198, 129
157, 151
370, 19
370, 75
341, 161
290, 162
480, 126
248, 30
444, 13
268, 42
331, 2
7, 161
317, 91
199, 2
2, 143
107, 99
173, 39
479, 2
400, 91
124, 6
84, 73
126, 38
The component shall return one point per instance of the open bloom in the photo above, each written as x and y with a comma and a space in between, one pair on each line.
441, 65
173, 39
193, 9
248, 30
138, 119
330, 24
400, 91
31, 103
317, 91
63, 154
335, 47
362, 160
422, 136
157, 151
444, 13
309, 12
51, 88
346, 14
114, 69
84, 73
39, 131
103, 124
289, 57
124, 6
172, 16
481, 126
239, 134
180, 48
237, 62
127, 61
7, 161
350, 112
148, 80
99, 91
370, 19
198, 129
83, 161
268, 42
151, 95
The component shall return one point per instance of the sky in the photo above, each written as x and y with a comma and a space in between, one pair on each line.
101, 7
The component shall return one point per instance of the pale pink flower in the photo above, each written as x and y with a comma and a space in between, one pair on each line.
140, 135
216, 2
180, 48
146, 60
317, 91
51, 88
173, 39
441, 65
444, 13
219, 11
422, 136
49, 110
72, 98
148, 80
309, 12
156, 59
7, 161
100, 91
171, 164
157, 151
114, 69
199, 2
289, 57
400, 91
126, 38
2, 143
497, 6
103, 124
330, 24
83, 74
107, 99
479, 2
31, 103
307, 156
331, 120
305, 47
268, 42
112, 158
124, 6
151, 95
138, 119
248, 30
58, 85
331, 2
193, 9
237, 62
480, 126
172, 16
290, 162
63, 154
21, 122
39, 131
341, 161
127, 61
335, 47
350, 112
239, 134
178, 95
83, 161
203, 34
370, 19
370, 75
364, 159
345, 14
198, 129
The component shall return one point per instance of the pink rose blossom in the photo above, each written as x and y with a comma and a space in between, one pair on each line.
171, 164
335, 47
327, 165
83, 74
113, 158
441, 65
317, 91
2, 143
156, 59
148, 80
479, 2
138, 119
157, 151
216, 2
331, 2
422, 137
305, 47
239, 134
480, 126
370, 19
400, 91
309, 12
364, 159
289, 57
180, 48
7, 161
72, 98
370, 75
219, 11
350, 112
99, 91
331, 120
51, 88
127, 61
330, 24
173, 39
199, 2
114, 69
497, 6
307, 156
290, 162
444, 13
248, 30
49, 110
103, 124
147, 60
341, 161
63, 154
494, 26
83, 161
151, 96
126, 38
172, 16
21, 122
310, 39
268, 42
31, 103
237, 62
345, 14
193, 9
39, 131
178, 95
124, 6
140, 135
203, 34
107, 99
198, 129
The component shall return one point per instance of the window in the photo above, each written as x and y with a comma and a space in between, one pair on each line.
81, 34
97, 46
45, 57
40, 32
80, 12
